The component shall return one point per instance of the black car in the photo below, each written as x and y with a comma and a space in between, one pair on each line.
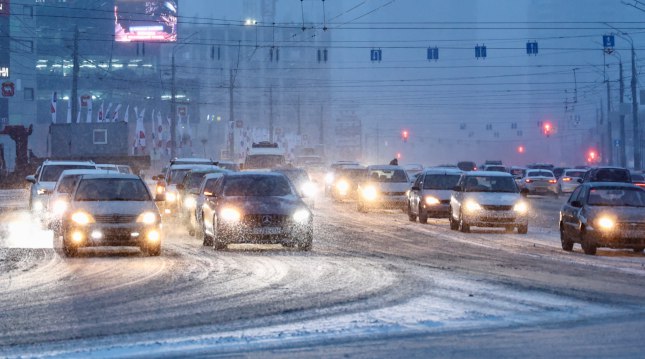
604, 214
467, 165
256, 207
607, 174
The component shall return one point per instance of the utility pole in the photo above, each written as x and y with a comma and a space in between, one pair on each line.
621, 148
637, 141
173, 110
610, 141
75, 71
299, 118
322, 126
231, 115
271, 114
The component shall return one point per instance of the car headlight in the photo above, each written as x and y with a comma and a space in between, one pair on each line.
432, 201
60, 206
308, 189
521, 207
161, 189
342, 186
605, 223
301, 216
190, 202
370, 193
472, 206
147, 218
329, 178
171, 196
82, 218
230, 214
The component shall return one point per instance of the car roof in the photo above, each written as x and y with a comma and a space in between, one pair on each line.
85, 171
111, 175
487, 173
188, 166
254, 173
610, 184
207, 169
443, 170
215, 175
385, 167
53, 163
538, 170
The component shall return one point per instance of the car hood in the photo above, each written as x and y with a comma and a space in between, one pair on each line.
440, 194
47, 185
493, 198
283, 205
622, 214
390, 186
114, 207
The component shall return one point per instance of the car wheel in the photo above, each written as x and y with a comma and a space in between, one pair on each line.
639, 250
307, 243
218, 241
567, 243
68, 249
153, 251
411, 216
454, 225
587, 247
423, 215
463, 226
207, 238
523, 229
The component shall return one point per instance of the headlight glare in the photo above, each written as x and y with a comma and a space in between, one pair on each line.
370, 193
42, 191
190, 203
230, 214
171, 196
432, 201
60, 206
82, 218
147, 218
308, 189
301, 216
521, 207
472, 206
605, 223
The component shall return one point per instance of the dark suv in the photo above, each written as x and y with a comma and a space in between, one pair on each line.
607, 174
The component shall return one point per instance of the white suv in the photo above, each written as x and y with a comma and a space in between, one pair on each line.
44, 181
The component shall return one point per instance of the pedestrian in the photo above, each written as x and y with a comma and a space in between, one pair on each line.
394, 162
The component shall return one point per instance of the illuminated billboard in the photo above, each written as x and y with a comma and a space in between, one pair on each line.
145, 20
4, 7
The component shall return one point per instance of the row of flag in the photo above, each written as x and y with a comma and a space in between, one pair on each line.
85, 101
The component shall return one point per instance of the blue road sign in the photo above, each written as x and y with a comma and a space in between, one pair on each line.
376, 55
532, 48
480, 51
608, 41
433, 53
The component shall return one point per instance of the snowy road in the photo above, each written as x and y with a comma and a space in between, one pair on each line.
375, 285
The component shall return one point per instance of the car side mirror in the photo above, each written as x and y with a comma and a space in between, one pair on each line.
524, 192
31, 179
579, 180
180, 186
160, 197
576, 204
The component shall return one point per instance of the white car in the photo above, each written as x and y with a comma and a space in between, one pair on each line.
488, 199
430, 194
125, 169
539, 182
384, 186
44, 181
568, 182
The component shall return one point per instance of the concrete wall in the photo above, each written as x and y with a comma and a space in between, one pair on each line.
76, 139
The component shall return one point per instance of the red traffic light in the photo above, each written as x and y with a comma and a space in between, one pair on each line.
547, 129
405, 135
520, 149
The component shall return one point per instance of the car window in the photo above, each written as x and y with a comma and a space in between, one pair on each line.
388, 176
631, 197
574, 195
67, 183
177, 175
51, 173
446, 182
111, 189
490, 184
539, 174
574, 173
257, 186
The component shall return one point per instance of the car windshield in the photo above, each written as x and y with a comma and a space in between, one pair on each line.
263, 161
439, 181
295, 176
257, 186
111, 189
196, 179
490, 184
51, 173
539, 174
177, 175
352, 173
388, 176
67, 183
496, 168
517, 171
628, 197
575, 173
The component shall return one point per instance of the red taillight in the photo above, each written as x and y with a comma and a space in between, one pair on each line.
553, 181
640, 184
566, 179
528, 180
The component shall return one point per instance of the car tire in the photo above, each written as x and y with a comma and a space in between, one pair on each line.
307, 243
69, 250
454, 225
567, 243
218, 240
411, 216
207, 240
587, 247
463, 226
523, 229
423, 216
153, 251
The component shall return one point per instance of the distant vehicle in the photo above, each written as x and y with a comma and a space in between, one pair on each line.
488, 199
111, 210
256, 207
194, 215
176, 174
607, 174
540, 182
517, 173
558, 171
467, 166
638, 179
412, 168
430, 194
305, 187
384, 186
43, 182
540, 166
346, 180
166, 176
229, 165
604, 215
568, 182
264, 155
330, 175
125, 169
496, 168
188, 188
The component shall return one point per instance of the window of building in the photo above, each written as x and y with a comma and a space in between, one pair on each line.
29, 94
99, 137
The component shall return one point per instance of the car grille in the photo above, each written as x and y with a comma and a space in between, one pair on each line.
631, 226
497, 208
445, 201
265, 220
115, 218
497, 220
394, 193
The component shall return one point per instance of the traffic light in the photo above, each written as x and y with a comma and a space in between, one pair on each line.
520, 149
592, 156
547, 128
405, 135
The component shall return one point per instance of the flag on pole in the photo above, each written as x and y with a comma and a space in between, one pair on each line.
115, 113
80, 105
69, 110
140, 133
106, 117
53, 106
88, 119
159, 130
125, 116
99, 117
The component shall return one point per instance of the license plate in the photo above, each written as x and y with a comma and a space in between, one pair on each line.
267, 230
